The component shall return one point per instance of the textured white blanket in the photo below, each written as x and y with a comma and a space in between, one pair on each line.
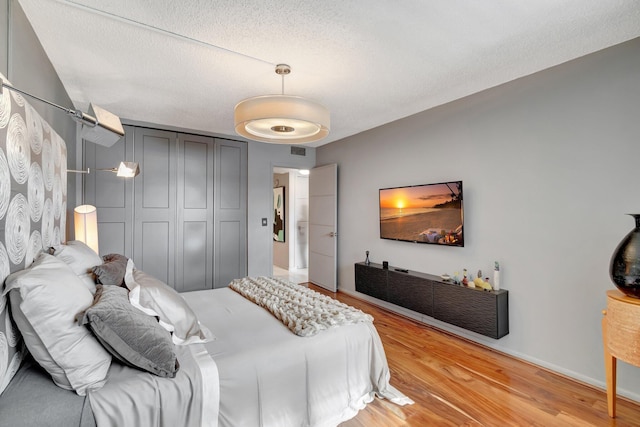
304, 311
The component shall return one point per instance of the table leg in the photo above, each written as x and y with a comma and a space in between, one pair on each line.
610, 365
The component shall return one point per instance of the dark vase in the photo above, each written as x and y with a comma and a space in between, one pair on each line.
625, 262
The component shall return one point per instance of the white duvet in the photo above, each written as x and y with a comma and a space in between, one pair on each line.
255, 373
270, 377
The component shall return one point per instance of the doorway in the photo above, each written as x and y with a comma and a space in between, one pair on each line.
290, 224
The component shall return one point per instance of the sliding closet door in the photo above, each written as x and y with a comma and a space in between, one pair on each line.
155, 215
194, 266
184, 218
230, 252
112, 196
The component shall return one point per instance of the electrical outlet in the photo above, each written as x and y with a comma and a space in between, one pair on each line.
264, 222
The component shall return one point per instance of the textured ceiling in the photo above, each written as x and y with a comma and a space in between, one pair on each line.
187, 63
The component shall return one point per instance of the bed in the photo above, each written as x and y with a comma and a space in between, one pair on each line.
239, 364
210, 358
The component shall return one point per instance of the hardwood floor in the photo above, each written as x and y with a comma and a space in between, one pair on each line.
455, 382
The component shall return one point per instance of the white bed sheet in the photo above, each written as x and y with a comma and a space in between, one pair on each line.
132, 397
270, 377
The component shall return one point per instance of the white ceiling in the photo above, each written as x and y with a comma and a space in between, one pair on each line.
187, 63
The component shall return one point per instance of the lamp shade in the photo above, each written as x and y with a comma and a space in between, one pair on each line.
85, 219
101, 126
283, 119
128, 170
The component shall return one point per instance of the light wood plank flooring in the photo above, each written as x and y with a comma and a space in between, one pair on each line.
455, 382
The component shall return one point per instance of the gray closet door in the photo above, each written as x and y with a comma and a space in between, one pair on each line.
230, 252
112, 196
155, 214
184, 218
194, 266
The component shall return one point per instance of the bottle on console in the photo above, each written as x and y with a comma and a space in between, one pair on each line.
496, 276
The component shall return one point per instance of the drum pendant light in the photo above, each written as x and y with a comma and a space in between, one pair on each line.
281, 119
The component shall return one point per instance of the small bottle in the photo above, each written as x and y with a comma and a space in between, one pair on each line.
366, 261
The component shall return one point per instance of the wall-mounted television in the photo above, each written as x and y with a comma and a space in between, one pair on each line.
430, 213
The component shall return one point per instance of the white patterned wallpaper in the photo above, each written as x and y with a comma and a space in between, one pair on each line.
33, 204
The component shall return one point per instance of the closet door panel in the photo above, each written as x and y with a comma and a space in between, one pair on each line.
157, 189
194, 266
113, 237
230, 176
112, 196
157, 256
230, 254
196, 164
194, 262
154, 247
110, 190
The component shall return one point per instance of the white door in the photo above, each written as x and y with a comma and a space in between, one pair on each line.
323, 226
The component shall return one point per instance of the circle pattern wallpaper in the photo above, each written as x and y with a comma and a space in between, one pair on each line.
33, 204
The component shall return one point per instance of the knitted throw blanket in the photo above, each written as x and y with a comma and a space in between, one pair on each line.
304, 311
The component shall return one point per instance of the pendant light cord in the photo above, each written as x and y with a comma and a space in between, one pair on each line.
283, 70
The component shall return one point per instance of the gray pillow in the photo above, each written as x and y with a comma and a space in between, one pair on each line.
111, 271
134, 338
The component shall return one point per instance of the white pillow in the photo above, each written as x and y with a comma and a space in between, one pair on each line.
81, 258
156, 298
45, 299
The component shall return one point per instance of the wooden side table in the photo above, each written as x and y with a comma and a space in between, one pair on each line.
621, 338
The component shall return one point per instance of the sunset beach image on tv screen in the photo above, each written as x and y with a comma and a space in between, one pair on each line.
431, 213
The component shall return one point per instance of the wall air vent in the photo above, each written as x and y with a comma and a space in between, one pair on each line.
298, 151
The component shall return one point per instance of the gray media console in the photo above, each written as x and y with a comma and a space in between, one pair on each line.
483, 312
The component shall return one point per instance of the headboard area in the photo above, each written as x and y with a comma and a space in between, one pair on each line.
33, 204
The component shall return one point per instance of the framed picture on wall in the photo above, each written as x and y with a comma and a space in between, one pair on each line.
278, 214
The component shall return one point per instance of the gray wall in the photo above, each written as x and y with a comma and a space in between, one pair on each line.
550, 167
25, 64
262, 159
4, 39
